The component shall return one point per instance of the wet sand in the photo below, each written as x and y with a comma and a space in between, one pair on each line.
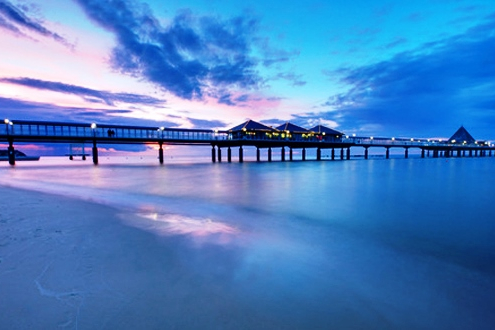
71, 264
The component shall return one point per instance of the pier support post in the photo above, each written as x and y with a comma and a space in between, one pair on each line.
435, 153
11, 152
348, 156
428, 153
160, 152
213, 154
290, 154
318, 153
470, 153
365, 152
387, 153
258, 154
241, 155
219, 154
422, 153
333, 153
229, 155
283, 154
490, 153
95, 153
304, 154
269, 154
342, 154
406, 153
458, 153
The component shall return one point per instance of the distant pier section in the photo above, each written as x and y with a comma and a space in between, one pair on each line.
287, 138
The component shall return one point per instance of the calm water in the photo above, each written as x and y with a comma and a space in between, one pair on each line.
378, 244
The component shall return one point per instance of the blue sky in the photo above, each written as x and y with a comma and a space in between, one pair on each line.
381, 68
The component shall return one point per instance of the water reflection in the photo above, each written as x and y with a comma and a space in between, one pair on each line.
204, 229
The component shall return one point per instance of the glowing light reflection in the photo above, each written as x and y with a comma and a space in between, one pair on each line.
174, 224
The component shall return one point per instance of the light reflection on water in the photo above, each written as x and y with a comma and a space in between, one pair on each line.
175, 224
358, 244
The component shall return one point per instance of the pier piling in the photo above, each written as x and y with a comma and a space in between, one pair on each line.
11, 152
95, 153
160, 153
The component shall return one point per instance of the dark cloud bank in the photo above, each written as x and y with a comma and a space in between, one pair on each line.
16, 19
91, 95
427, 92
192, 57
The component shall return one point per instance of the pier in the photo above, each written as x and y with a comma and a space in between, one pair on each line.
287, 137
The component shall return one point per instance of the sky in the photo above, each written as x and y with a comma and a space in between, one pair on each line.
372, 68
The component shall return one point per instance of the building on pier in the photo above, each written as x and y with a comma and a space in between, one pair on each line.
251, 129
327, 134
294, 132
462, 136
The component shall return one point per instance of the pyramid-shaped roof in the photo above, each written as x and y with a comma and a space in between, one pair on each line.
292, 128
462, 135
252, 125
323, 129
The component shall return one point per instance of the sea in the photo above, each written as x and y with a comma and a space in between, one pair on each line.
345, 244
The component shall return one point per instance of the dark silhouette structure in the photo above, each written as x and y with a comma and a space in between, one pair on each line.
250, 133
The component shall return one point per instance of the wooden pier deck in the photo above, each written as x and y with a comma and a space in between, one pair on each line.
22, 131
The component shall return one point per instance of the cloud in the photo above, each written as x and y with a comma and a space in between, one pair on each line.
90, 95
14, 19
192, 57
25, 110
445, 83
206, 124
292, 77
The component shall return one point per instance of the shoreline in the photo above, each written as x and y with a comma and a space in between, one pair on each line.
76, 264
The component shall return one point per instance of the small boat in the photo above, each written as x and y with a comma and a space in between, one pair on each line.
4, 156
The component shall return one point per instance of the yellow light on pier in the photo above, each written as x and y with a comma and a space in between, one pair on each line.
6, 121
393, 139
93, 125
412, 140
371, 138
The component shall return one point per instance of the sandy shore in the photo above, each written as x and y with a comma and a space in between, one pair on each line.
71, 264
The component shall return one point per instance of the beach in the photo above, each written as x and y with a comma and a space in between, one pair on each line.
133, 255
